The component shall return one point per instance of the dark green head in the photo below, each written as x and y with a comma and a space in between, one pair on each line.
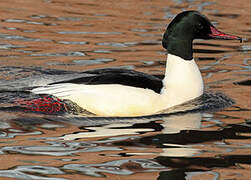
186, 27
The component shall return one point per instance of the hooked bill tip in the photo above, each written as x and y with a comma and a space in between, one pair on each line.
216, 34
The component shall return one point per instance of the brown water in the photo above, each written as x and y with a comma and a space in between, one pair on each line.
41, 37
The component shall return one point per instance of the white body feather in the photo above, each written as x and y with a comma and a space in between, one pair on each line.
182, 82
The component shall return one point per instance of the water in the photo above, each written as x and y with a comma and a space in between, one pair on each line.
49, 40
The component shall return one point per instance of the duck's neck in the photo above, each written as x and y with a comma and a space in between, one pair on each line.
182, 82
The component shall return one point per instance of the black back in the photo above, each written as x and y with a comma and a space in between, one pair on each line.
119, 76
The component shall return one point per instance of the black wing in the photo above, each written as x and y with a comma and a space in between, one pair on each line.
119, 76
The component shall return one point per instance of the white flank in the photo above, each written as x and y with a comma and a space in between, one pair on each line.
182, 82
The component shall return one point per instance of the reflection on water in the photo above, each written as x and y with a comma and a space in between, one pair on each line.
53, 40
156, 145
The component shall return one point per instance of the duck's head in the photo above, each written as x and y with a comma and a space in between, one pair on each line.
186, 27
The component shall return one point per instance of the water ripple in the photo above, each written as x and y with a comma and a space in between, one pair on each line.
77, 53
10, 46
21, 38
117, 44
73, 42
93, 61
58, 148
121, 167
83, 32
28, 22
32, 172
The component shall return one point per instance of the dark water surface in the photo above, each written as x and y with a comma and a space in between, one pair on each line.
47, 40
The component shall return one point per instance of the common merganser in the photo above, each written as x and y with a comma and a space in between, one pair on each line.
114, 92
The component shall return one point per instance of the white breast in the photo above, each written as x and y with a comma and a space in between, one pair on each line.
182, 82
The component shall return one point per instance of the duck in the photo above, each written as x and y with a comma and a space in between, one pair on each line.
121, 92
